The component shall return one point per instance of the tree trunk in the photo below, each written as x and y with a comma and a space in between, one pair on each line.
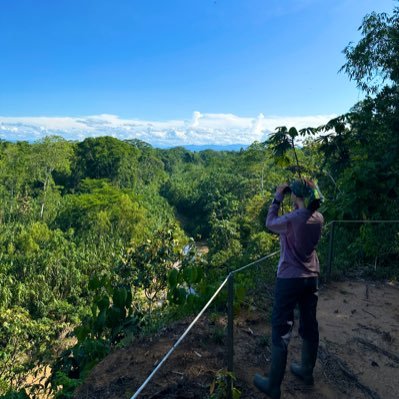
44, 197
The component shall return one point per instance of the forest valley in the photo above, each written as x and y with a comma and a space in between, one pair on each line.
97, 238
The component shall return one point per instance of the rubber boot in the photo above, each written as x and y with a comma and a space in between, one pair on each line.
271, 385
304, 371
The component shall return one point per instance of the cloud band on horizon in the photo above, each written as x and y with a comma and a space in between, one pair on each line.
201, 129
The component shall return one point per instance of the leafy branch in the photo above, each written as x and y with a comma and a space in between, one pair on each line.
282, 141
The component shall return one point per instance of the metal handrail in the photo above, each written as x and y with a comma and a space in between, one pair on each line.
177, 343
230, 321
254, 263
230, 281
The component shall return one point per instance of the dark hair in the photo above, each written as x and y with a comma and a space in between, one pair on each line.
309, 192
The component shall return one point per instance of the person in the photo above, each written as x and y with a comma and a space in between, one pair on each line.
297, 282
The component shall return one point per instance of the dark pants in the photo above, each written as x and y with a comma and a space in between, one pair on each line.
288, 293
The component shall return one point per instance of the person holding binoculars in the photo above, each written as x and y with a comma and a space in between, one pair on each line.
297, 282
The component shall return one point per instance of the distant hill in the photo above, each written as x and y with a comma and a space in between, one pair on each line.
215, 147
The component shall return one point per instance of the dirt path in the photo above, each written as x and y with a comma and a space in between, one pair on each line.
358, 357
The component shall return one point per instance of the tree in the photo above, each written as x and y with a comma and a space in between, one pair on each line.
254, 160
362, 146
373, 63
101, 210
107, 158
284, 146
14, 178
49, 155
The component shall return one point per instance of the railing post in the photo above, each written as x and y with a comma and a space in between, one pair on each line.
330, 250
230, 334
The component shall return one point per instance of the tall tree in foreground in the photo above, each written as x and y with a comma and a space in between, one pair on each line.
369, 136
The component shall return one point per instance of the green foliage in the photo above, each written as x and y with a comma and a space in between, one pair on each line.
101, 209
64, 386
148, 264
120, 299
366, 249
218, 388
184, 282
111, 316
49, 155
15, 181
42, 269
283, 147
20, 394
20, 334
106, 158
373, 61
93, 233
112, 312
74, 364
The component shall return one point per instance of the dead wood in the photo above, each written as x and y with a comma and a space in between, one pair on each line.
373, 329
342, 372
377, 349
365, 311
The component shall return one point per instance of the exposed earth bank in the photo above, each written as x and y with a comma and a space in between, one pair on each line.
358, 356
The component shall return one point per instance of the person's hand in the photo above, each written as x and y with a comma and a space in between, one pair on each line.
280, 189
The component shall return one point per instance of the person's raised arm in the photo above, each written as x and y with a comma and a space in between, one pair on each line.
275, 223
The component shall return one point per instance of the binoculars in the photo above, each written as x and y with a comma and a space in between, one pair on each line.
287, 190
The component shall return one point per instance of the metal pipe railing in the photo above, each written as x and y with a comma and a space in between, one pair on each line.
230, 320
230, 280
230, 334
330, 250
230, 306
178, 341
254, 263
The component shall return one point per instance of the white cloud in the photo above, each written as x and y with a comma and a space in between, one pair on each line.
196, 117
220, 129
257, 127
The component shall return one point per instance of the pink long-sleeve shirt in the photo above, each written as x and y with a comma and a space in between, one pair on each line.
300, 232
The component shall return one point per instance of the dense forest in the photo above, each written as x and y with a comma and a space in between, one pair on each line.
98, 238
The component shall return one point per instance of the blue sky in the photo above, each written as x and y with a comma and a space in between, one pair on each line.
163, 60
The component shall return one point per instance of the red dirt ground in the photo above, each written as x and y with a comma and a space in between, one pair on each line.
358, 356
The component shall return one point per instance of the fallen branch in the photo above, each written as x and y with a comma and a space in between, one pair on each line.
373, 329
327, 359
178, 373
369, 313
376, 348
